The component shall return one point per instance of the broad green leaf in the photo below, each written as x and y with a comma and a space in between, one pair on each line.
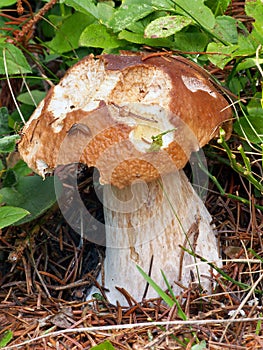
4, 128
67, 39
198, 11
137, 38
33, 98
250, 127
8, 216
8, 143
5, 3
16, 62
225, 54
85, 6
130, 11
106, 345
226, 29
163, 27
97, 35
31, 193
190, 40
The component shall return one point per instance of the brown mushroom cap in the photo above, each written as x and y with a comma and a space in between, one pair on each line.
104, 112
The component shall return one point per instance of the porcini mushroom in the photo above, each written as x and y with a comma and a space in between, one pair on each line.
137, 119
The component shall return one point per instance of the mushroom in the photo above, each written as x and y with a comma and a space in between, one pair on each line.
137, 119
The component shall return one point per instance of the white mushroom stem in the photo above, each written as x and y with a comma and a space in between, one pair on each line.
154, 221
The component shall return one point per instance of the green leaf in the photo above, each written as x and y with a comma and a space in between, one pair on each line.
254, 9
130, 11
248, 63
138, 38
250, 127
106, 345
97, 35
31, 193
16, 62
67, 39
180, 311
105, 11
225, 54
5, 3
190, 40
254, 106
198, 11
10, 215
84, 6
170, 302
6, 338
33, 98
8, 143
226, 29
163, 27
4, 128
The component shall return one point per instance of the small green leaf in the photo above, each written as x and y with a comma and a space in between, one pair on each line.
9, 215
6, 338
248, 63
225, 54
33, 98
130, 11
16, 62
67, 39
106, 345
163, 27
157, 141
97, 35
8, 143
226, 29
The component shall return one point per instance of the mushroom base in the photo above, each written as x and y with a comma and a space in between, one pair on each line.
150, 222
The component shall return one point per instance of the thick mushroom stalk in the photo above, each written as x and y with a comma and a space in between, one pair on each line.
163, 217
136, 120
